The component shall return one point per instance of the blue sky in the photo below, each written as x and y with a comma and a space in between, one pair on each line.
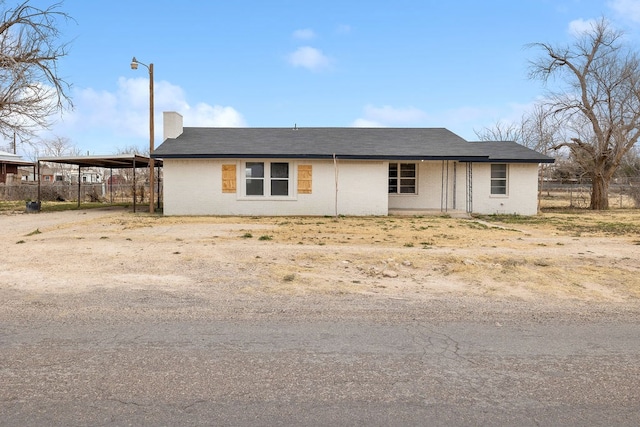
260, 63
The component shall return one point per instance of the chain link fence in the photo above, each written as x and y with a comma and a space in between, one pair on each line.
64, 191
624, 193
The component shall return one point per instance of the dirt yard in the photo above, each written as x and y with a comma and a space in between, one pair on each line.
552, 259
114, 318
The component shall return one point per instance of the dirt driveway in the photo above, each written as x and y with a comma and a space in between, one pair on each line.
114, 318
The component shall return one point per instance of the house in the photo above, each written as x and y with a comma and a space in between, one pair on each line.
49, 175
10, 165
342, 171
89, 176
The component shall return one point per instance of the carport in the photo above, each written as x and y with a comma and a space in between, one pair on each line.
117, 161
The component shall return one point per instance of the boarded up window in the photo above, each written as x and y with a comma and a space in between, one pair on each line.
228, 178
304, 179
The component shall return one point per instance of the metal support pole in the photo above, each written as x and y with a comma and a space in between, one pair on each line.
79, 181
111, 184
455, 184
38, 176
446, 197
134, 185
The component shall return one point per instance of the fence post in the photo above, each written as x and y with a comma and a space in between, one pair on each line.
620, 199
570, 196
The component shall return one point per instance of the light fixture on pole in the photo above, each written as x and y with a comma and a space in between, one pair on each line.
134, 66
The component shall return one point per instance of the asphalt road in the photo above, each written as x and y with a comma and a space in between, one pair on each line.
394, 364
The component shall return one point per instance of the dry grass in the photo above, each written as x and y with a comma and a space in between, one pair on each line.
564, 254
561, 254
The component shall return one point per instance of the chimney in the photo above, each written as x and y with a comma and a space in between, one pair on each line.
172, 123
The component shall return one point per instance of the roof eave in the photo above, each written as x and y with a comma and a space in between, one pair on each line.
316, 156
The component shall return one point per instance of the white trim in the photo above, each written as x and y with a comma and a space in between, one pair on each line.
242, 181
506, 184
399, 177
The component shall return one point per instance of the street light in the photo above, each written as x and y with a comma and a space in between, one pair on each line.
134, 66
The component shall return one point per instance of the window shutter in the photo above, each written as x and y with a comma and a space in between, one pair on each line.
304, 179
228, 178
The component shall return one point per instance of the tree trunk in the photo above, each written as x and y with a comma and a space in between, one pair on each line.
599, 192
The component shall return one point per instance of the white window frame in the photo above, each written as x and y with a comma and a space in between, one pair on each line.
493, 179
267, 179
399, 178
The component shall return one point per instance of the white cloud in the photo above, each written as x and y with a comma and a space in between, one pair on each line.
462, 120
310, 58
580, 26
627, 8
111, 119
304, 34
364, 123
205, 115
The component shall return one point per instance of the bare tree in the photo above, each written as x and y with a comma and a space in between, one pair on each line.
128, 173
501, 131
630, 166
600, 104
537, 130
30, 88
541, 131
58, 147
132, 149
141, 177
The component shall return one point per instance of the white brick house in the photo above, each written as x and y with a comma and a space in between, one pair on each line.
343, 171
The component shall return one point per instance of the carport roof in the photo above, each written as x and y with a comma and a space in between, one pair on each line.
116, 161
14, 159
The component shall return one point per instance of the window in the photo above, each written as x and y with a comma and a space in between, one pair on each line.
279, 179
255, 178
499, 180
267, 179
402, 178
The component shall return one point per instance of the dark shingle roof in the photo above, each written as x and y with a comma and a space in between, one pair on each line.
345, 143
510, 151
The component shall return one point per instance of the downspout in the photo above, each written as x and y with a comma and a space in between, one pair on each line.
442, 188
335, 168
469, 187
